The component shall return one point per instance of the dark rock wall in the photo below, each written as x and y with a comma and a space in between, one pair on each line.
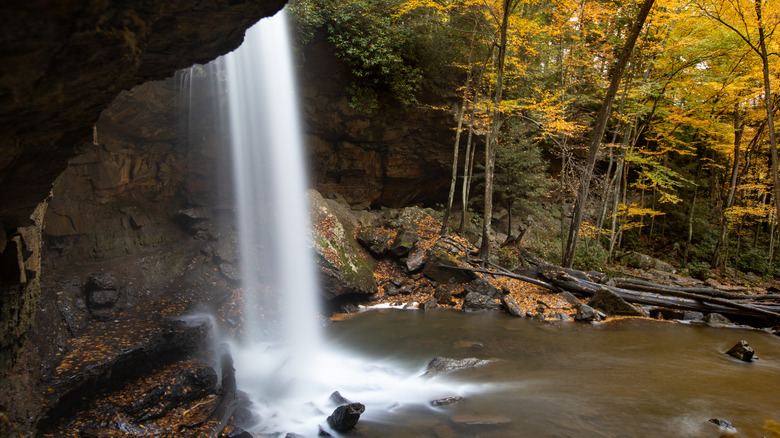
63, 63
394, 157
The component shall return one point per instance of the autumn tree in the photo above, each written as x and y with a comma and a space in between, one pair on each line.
598, 132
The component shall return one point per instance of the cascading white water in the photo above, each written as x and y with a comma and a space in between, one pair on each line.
283, 361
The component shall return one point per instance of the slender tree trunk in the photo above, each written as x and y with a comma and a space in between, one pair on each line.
770, 121
490, 149
455, 151
468, 168
456, 148
721, 248
690, 226
598, 133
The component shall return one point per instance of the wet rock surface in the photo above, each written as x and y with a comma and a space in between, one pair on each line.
345, 417
612, 304
445, 365
742, 351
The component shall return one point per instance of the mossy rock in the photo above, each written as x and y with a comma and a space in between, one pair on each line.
343, 268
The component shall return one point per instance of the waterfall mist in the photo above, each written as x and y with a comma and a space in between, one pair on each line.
283, 361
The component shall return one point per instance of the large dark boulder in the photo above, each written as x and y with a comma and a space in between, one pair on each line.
345, 417
343, 269
612, 304
474, 302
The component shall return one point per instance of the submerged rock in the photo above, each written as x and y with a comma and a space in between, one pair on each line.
444, 365
345, 417
742, 351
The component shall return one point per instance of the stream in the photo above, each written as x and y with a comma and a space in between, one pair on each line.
626, 378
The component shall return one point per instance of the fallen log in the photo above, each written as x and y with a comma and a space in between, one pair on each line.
504, 274
646, 286
723, 305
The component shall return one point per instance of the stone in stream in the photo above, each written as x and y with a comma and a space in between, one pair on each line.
446, 401
443, 365
336, 399
586, 313
742, 351
612, 304
724, 425
716, 320
345, 417
512, 307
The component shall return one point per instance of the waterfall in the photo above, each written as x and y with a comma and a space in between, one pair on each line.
282, 337
283, 362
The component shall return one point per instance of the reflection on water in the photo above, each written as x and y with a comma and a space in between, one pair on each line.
623, 379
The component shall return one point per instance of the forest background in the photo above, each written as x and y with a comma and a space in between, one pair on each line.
686, 167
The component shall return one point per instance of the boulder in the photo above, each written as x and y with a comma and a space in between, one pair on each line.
446, 401
345, 417
477, 302
665, 313
484, 287
445, 365
415, 260
586, 313
442, 295
693, 316
375, 240
343, 270
511, 306
612, 304
429, 304
336, 399
443, 254
742, 351
403, 242
645, 262
716, 320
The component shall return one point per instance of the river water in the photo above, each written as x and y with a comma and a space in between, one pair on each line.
628, 378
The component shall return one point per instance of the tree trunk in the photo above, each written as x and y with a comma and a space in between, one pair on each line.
490, 148
598, 133
770, 121
468, 170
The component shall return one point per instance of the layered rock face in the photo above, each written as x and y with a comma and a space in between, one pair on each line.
63, 63
393, 157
